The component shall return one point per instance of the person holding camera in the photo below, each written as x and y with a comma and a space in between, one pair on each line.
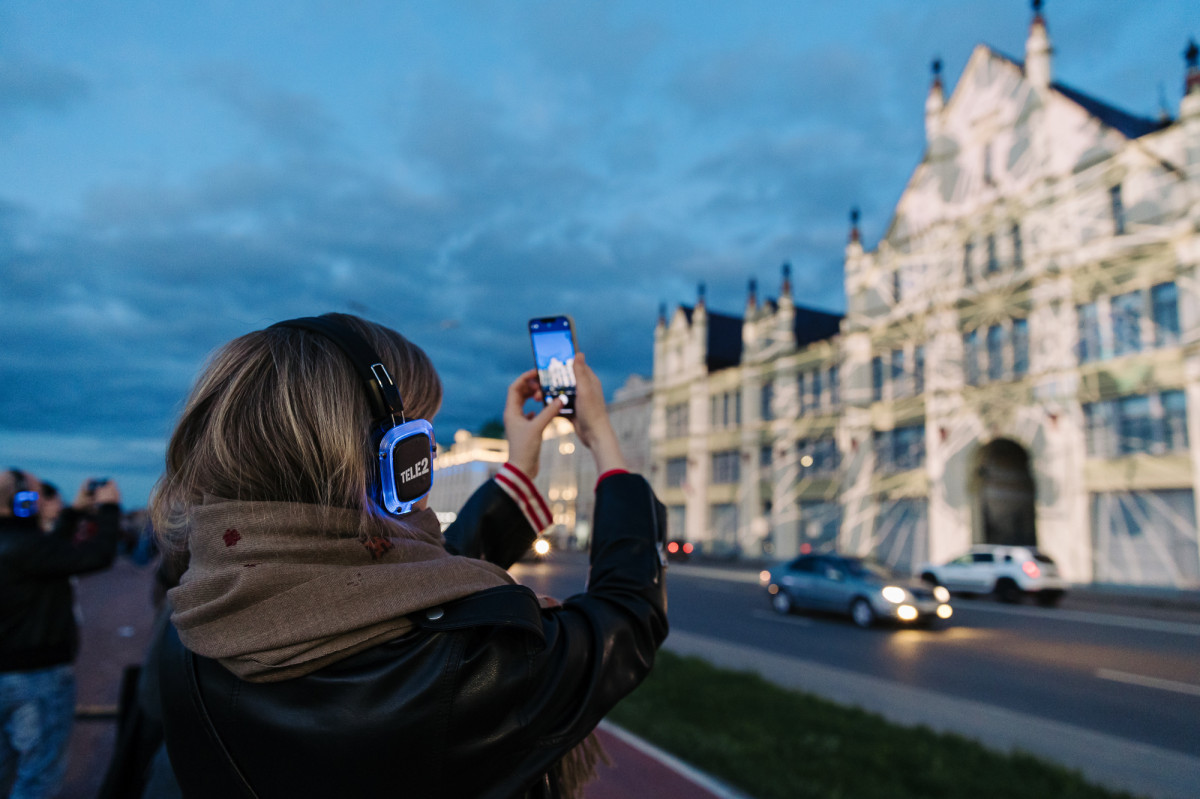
39, 638
328, 639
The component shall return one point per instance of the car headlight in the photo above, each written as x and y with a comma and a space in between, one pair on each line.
941, 594
894, 594
541, 546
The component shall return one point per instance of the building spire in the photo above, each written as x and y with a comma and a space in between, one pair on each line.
786, 290
855, 237
700, 296
662, 313
752, 295
1038, 49
1191, 58
935, 102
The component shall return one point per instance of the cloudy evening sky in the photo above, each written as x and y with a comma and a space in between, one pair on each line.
175, 174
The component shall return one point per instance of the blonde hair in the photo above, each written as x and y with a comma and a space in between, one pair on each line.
280, 415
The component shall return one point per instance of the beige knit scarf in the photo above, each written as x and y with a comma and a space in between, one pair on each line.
279, 590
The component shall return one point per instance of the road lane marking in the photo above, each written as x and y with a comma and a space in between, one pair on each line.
1149, 682
1132, 622
766, 614
714, 573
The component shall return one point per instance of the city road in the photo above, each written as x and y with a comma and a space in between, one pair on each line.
1094, 667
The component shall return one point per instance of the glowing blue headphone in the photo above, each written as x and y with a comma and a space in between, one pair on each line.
24, 501
405, 448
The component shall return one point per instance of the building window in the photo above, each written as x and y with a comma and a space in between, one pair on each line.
896, 281
726, 410
726, 467
971, 358
1175, 432
1020, 343
818, 456
909, 447
897, 373
1127, 323
993, 264
1089, 332
834, 388
817, 388
1117, 205
900, 449
768, 401
1018, 254
677, 420
765, 456
1095, 429
723, 521
801, 391
995, 350
1164, 309
677, 521
968, 258
1135, 429
877, 378
1153, 424
919, 369
676, 472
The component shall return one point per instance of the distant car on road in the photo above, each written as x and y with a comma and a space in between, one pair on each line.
1011, 573
678, 549
867, 591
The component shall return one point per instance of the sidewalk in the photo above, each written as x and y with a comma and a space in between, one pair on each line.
117, 615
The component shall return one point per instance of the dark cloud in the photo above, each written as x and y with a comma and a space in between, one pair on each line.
30, 85
570, 158
285, 118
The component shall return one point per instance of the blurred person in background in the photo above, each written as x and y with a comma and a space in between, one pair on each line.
50, 505
39, 637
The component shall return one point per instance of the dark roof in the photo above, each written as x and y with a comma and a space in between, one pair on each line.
1128, 124
811, 325
724, 345
724, 341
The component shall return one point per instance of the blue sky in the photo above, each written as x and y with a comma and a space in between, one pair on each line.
175, 174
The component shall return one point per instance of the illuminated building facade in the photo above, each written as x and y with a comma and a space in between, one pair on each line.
1019, 361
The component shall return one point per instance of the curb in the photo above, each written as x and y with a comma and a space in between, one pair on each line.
668, 760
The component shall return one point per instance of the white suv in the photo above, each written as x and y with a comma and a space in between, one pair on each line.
1009, 572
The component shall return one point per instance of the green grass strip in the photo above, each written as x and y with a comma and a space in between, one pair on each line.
772, 743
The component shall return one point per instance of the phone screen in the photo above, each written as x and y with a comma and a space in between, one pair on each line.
554, 355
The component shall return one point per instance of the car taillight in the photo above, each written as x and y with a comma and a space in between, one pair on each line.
1031, 569
687, 549
672, 547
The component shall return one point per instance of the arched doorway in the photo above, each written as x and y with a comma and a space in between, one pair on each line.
1006, 497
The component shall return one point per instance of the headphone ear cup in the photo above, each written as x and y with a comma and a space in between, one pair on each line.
24, 502
406, 465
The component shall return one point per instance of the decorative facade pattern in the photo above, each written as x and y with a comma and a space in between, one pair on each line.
1019, 361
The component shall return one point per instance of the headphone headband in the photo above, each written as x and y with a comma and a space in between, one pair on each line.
381, 389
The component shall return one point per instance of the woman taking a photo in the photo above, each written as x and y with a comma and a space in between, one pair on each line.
328, 640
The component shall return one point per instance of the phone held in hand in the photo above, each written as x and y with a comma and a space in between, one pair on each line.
553, 340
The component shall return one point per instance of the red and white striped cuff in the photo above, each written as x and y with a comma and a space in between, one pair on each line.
523, 492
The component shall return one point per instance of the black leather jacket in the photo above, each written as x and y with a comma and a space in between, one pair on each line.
481, 700
37, 619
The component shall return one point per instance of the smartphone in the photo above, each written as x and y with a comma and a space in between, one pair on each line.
553, 339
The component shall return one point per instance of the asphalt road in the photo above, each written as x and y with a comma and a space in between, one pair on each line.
1129, 673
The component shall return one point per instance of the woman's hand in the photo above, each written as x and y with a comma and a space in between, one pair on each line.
524, 430
592, 424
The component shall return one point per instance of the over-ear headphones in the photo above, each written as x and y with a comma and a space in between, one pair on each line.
24, 500
405, 448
